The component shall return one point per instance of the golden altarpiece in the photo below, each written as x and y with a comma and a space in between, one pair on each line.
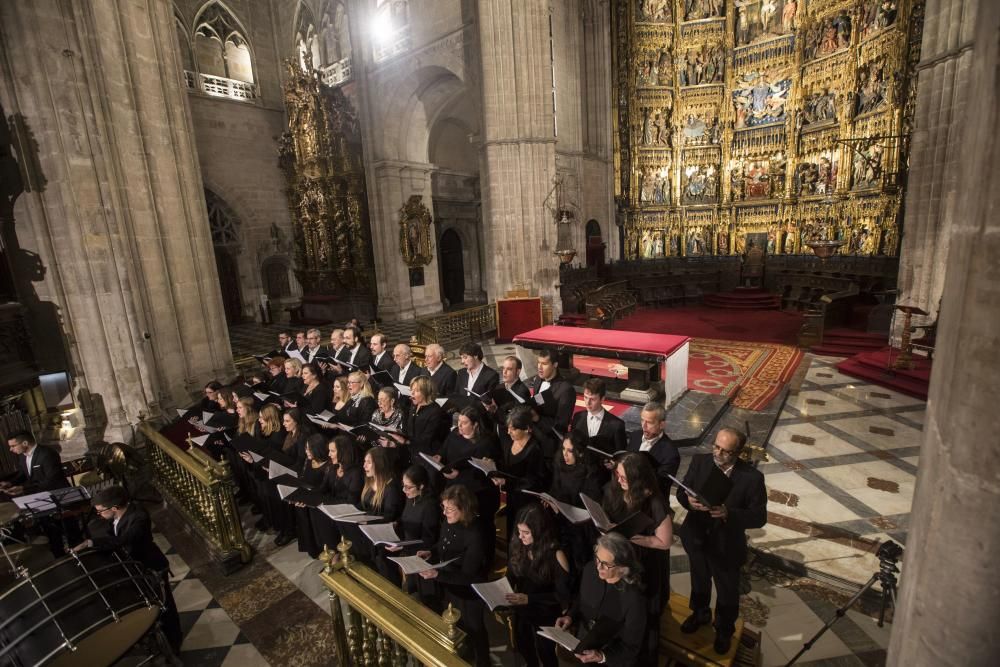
783, 121
322, 159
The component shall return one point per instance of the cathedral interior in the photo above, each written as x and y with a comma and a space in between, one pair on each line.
802, 190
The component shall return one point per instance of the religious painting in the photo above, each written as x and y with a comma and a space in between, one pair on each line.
816, 174
760, 20
701, 184
699, 67
760, 99
696, 245
653, 69
654, 189
872, 91
697, 10
699, 131
414, 232
651, 244
826, 37
654, 11
866, 166
863, 240
761, 179
655, 126
877, 15
818, 108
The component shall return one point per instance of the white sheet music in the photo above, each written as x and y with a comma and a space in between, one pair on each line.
561, 637
275, 469
200, 440
574, 514
260, 396
434, 464
339, 511
295, 354
485, 465
597, 513
285, 491
494, 593
414, 564
384, 533
257, 458
403, 389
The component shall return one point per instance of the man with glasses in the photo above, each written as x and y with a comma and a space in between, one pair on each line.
131, 534
715, 537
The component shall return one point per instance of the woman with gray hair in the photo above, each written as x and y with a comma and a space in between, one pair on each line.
611, 604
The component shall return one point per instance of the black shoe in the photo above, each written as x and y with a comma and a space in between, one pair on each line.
693, 622
282, 540
722, 643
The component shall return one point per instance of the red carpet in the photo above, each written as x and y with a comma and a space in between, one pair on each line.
871, 366
753, 372
762, 326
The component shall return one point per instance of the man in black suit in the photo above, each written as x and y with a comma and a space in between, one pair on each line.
595, 421
354, 353
443, 376
510, 377
475, 376
313, 346
559, 399
653, 441
381, 360
131, 534
38, 468
715, 537
404, 370
285, 343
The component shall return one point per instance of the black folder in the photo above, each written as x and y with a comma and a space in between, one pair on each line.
306, 496
634, 524
715, 487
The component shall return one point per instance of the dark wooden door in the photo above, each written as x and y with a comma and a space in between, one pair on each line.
229, 284
452, 268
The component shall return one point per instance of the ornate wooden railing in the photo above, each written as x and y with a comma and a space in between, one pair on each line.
458, 327
375, 624
201, 489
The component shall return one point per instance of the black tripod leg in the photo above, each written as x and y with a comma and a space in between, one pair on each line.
837, 616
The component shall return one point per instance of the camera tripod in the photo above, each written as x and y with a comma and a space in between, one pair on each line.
888, 555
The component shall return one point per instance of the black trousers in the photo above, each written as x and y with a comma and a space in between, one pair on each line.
535, 650
706, 569
170, 620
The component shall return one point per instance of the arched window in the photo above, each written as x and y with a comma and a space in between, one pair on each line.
306, 40
335, 33
221, 46
223, 222
187, 58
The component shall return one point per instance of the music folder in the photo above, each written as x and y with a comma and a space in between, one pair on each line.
504, 397
602, 445
711, 491
306, 496
381, 378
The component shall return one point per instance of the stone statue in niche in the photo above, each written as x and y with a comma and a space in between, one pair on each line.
656, 126
696, 10
664, 76
759, 20
657, 244
818, 108
675, 243
876, 15
696, 243
414, 232
654, 11
736, 183
698, 67
827, 37
789, 242
816, 175
760, 99
866, 166
646, 245
722, 243
648, 74
889, 240
872, 92
776, 171
772, 241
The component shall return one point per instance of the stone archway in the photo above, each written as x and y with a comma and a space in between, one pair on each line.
452, 268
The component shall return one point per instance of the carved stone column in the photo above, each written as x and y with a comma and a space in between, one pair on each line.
518, 140
936, 154
116, 215
950, 593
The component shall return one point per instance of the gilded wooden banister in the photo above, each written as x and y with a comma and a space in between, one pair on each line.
376, 623
201, 489
457, 327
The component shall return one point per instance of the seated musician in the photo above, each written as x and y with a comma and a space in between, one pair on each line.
611, 593
131, 533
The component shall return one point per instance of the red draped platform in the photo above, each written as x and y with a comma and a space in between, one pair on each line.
636, 350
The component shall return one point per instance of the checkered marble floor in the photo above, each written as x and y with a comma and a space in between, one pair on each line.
843, 466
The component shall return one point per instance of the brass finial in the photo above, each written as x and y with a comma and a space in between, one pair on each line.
450, 617
345, 551
328, 558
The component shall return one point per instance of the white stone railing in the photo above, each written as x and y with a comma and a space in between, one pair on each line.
337, 73
392, 45
221, 87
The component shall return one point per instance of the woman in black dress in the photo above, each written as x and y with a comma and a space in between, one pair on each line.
611, 592
341, 486
539, 574
358, 410
635, 489
473, 438
313, 473
381, 496
574, 472
293, 452
340, 397
451, 584
315, 392
293, 376
276, 375
246, 429
419, 521
270, 436
522, 461
427, 424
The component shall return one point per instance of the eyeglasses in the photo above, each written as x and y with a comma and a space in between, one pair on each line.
721, 451
449, 510
103, 510
409, 487
354, 382
602, 565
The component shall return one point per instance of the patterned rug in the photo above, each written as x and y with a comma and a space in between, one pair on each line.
756, 371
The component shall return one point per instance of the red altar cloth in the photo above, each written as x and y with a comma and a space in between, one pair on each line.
662, 345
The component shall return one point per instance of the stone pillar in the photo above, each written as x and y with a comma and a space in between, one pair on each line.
935, 153
518, 146
394, 183
119, 225
950, 593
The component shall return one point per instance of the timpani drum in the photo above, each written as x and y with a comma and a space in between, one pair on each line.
87, 609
